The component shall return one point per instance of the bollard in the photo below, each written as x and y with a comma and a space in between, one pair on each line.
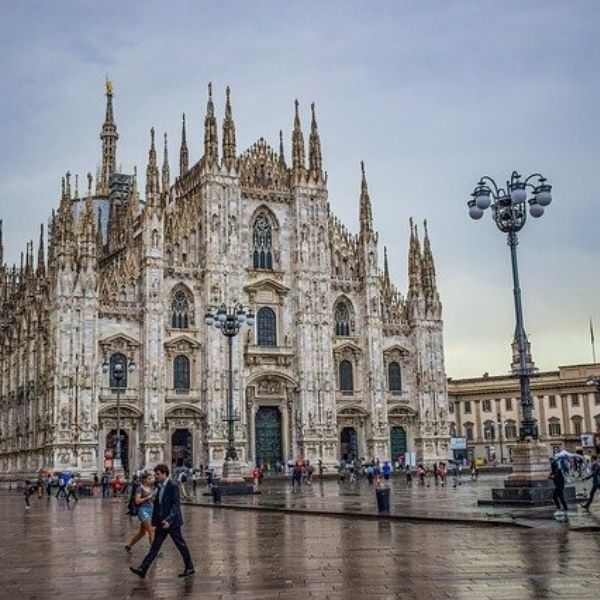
383, 499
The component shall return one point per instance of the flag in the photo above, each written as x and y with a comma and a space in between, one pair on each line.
591, 331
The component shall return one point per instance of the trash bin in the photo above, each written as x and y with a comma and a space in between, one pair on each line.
217, 493
383, 500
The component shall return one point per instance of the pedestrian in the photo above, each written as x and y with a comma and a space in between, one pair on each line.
116, 486
167, 519
320, 468
442, 473
95, 484
40, 485
408, 476
72, 489
144, 500
558, 496
595, 477
436, 474
196, 476
256, 477
370, 474
62, 485
49, 483
387, 470
105, 482
28, 492
296, 475
309, 473
421, 474
181, 480
132, 508
474, 470
210, 475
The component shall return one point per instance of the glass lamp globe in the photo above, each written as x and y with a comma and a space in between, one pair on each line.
535, 210
209, 319
241, 315
482, 198
544, 195
518, 194
474, 211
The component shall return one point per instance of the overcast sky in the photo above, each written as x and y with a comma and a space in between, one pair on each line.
431, 95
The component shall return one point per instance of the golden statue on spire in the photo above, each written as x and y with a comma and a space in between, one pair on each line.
109, 87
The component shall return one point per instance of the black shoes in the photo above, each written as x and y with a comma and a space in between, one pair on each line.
187, 572
138, 572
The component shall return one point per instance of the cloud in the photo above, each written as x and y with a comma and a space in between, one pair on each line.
431, 95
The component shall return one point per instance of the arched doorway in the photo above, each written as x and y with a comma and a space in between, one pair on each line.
397, 442
268, 435
348, 444
181, 448
111, 444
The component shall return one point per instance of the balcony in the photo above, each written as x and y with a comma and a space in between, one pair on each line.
280, 356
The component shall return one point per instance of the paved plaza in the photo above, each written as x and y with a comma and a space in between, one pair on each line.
54, 551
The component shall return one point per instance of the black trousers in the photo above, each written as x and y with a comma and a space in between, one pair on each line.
592, 494
559, 498
160, 535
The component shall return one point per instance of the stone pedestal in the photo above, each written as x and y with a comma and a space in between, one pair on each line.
231, 482
528, 484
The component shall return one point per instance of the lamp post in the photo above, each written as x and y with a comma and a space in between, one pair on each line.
229, 320
117, 372
509, 211
528, 483
499, 427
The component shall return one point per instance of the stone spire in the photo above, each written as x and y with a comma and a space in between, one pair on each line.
297, 142
166, 174
515, 365
1, 246
41, 262
315, 161
229, 151
109, 139
366, 213
184, 157
386, 268
152, 176
281, 152
211, 143
428, 266
414, 262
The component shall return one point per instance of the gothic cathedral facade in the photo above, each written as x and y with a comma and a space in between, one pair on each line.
338, 365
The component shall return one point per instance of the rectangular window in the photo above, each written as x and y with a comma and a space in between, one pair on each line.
467, 406
577, 427
451, 407
508, 403
597, 398
487, 406
554, 428
469, 432
552, 401
574, 399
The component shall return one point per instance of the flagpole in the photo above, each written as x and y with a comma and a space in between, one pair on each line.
592, 340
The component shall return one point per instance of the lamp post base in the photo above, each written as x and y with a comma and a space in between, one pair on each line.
528, 484
232, 483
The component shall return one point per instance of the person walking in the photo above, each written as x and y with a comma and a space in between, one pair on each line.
166, 517
181, 480
595, 477
144, 500
104, 483
116, 486
28, 492
72, 489
442, 473
296, 475
408, 476
387, 470
132, 508
49, 483
62, 484
558, 496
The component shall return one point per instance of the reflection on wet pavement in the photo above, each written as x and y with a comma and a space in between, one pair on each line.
52, 551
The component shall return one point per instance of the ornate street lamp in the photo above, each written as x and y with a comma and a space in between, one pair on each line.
118, 371
509, 211
229, 320
593, 381
528, 483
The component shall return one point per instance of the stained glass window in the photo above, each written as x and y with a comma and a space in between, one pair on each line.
394, 377
181, 373
262, 243
180, 318
342, 319
346, 378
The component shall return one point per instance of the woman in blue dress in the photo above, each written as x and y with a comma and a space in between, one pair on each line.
144, 500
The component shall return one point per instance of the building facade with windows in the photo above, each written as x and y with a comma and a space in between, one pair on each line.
339, 363
486, 411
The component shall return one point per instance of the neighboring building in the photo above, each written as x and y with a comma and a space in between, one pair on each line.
486, 410
339, 363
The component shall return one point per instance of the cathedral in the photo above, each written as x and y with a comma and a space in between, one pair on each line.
105, 320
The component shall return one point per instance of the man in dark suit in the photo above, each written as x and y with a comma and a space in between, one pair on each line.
166, 517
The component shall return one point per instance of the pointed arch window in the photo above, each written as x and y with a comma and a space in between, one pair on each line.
180, 306
342, 319
181, 373
262, 243
346, 376
266, 327
394, 377
118, 359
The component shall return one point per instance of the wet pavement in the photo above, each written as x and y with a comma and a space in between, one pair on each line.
430, 502
53, 551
